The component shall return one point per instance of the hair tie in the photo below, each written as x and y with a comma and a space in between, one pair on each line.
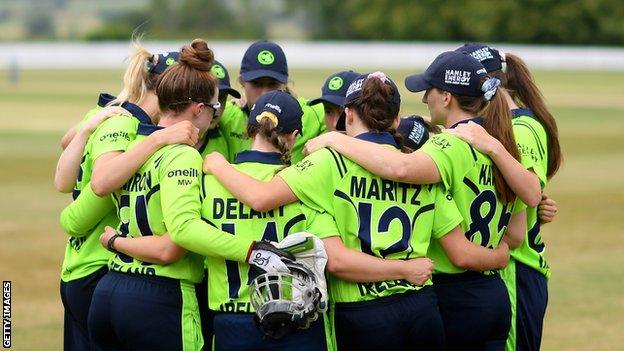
379, 75
268, 115
489, 88
503, 57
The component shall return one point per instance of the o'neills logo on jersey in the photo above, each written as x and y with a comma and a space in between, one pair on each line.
482, 54
115, 135
191, 173
457, 77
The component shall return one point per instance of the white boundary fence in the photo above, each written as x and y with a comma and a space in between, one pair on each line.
67, 55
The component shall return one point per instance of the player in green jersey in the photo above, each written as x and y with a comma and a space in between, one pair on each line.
263, 69
387, 222
332, 97
457, 91
141, 305
536, 134
85, 260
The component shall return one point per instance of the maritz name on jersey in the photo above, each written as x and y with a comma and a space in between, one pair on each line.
486, 175
231, 208
377, 288
139, 182
385, 190
236, 307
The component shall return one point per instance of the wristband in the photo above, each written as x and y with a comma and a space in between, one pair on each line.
111, 242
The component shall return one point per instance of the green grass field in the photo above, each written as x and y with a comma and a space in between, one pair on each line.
584, 245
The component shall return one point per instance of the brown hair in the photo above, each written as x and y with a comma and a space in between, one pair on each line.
137, 81
375, 109
497, 122
520, 84
190, 80
267, 129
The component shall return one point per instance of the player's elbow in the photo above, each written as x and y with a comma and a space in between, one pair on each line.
61, 186
171, 254
461, 261
261, 202
99, 187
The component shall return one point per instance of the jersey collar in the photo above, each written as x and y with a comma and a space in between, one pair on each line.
137, 112
477, 120
147, 129
210, 134
517, 112
104, 99
271, 158
378, 138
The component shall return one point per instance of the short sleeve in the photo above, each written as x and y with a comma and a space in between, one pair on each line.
446, 215
114, 134
530, 147
449, 155
313, 179
321, 224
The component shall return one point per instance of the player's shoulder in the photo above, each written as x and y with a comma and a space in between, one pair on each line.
179, 153
446, 142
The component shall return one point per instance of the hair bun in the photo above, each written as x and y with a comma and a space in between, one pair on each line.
197, 55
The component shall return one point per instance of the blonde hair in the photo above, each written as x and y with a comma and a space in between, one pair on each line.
137, 80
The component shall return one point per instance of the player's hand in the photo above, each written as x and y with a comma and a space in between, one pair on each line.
267, 257
105, 237
183, 132
103, 115
242, 102
321, 141
211, 162
547, 209
475, 135
418, 270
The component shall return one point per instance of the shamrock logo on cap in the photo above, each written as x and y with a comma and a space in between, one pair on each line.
335, 83
170, 61
266, 57
218, 71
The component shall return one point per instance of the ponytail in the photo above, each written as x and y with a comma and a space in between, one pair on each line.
522, 88
136, 80
497, 122
266, 128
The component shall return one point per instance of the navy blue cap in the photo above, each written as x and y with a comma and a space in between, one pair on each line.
279, 107
489, 57
335, 88
355, 91
219, 71
264, 59
414, 131
452, 71
163, 61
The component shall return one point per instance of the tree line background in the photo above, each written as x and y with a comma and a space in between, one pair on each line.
574, 22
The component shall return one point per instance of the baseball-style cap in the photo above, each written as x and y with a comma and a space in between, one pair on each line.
281, 108
163, 61
414, 131
489, 57
335, 88
355, 91
452, 71
264, 59
222, 74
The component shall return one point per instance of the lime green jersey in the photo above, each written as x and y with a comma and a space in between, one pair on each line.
164, 196
87, 216
228, 281
532, 143
214, 142
468, 175
103, 100
233, 126
379, 217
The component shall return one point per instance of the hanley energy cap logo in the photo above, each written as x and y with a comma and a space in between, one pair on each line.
335, 83
482, 54
457, 77
355, 87
266, 57
218, 71
417, 132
